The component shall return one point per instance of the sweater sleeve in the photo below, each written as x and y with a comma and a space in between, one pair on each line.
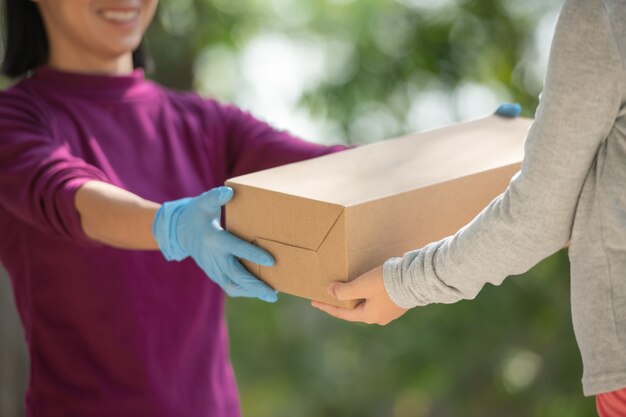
39, 176
253, 145
533, 218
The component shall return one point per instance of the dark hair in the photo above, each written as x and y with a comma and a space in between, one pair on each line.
26, 42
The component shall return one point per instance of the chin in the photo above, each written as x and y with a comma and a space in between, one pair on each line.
120, 49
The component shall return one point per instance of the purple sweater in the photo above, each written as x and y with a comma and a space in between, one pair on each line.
117, 332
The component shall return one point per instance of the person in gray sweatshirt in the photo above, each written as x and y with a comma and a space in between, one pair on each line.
571, 187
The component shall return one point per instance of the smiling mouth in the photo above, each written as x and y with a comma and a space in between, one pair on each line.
119, 15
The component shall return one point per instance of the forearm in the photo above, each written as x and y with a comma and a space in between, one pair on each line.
116, 217
507, 238
534, 216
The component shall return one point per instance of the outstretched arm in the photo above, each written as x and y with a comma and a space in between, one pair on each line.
116, 217
189, 227
534, 217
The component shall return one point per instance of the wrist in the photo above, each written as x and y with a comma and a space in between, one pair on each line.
165, 229
393, 282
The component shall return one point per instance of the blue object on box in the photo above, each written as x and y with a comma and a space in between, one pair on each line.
510, 110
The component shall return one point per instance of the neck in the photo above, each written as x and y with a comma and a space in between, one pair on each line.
81, 63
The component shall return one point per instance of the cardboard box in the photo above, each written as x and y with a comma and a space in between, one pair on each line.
335, 217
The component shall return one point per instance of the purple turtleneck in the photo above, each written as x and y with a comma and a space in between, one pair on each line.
117, 332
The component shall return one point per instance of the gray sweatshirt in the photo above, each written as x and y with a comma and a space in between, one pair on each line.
572, 185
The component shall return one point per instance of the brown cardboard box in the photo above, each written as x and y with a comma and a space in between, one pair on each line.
335, 217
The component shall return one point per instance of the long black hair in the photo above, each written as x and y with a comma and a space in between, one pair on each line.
26, 42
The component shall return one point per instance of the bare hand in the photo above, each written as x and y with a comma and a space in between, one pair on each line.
376, 307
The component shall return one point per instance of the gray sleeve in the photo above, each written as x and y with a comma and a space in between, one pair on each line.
533, 217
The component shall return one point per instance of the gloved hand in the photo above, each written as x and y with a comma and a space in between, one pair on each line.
191, 227
510, 110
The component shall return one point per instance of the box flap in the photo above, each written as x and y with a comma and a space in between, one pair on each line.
306, 273
261, 214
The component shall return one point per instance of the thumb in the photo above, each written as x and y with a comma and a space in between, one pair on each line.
344, 291
216, 197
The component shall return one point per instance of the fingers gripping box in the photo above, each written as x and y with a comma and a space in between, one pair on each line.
335, 217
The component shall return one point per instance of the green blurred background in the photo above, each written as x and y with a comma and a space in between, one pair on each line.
359, 71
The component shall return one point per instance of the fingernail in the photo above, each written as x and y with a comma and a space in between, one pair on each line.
226, 192
269, 261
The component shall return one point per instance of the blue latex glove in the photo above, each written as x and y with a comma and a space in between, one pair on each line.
191, 227
510, 110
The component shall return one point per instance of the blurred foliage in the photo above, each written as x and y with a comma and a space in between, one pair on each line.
511, 352
378, 58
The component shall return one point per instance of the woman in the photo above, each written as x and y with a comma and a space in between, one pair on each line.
572, 186
89, 150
